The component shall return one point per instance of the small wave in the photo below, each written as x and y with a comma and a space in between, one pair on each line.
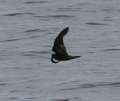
13, 14
61, 16
34, 36
34, 30
88, 86
34, 53
55, 16
14, 91
80, 86
115, 84
49, 17
13, 98
10, 40
68, 9
30, 98
68, 99
17, 14
98, 84
60, 99
3, 84
107, 9
95, 23
91, 52
35, 2
108, 19
112, 49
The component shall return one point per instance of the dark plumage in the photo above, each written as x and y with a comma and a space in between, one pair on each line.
59, 49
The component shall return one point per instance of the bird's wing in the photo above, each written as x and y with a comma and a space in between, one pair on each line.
59, 47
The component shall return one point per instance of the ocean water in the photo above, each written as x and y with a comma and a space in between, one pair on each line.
27, 32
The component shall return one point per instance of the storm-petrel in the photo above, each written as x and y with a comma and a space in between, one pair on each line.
59, 49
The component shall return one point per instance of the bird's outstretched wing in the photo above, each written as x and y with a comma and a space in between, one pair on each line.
59, 47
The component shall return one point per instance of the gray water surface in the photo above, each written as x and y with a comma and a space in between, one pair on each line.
27, 32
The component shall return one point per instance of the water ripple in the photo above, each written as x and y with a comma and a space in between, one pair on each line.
68, 9
34, 53
35, 2
10, 40
61, 16
30, 98
3, 84
34, 30
99, 84
95, 23
17, 14
112, 49
108, 19
60, 99
14, 91
107, 9
54, 16
13, 98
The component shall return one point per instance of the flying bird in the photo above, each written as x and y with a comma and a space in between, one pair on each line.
59, 50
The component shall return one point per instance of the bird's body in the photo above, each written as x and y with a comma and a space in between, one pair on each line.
59, 49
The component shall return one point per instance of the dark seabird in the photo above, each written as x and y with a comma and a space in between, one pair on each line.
59, 49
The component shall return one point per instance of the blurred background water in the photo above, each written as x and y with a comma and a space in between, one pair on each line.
27, 32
